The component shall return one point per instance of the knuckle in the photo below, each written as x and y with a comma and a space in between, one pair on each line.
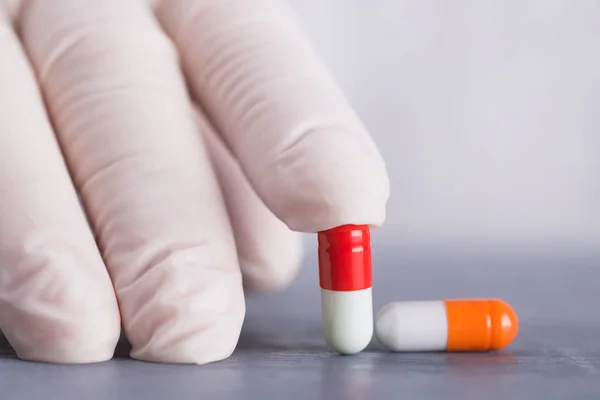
76, 33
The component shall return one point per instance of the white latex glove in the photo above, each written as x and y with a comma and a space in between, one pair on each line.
173, 213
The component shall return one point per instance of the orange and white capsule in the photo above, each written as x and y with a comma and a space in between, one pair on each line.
448, 325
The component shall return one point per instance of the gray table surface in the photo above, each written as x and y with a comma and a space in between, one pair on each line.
281, 354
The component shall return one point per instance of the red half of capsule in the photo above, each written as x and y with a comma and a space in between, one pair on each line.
345, 258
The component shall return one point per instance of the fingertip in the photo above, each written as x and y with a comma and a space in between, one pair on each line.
213, 339
80, 338
62, 317
202, 339
328, 178
276, 265
188, 308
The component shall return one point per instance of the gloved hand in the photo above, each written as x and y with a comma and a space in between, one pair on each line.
119, 203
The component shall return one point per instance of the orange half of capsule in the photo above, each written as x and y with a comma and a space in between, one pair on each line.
480, 324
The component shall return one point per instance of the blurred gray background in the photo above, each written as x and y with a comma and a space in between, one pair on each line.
487, 113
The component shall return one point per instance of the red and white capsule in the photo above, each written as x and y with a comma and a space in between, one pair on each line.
345, 279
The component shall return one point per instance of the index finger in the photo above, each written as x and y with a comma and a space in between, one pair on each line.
298, 140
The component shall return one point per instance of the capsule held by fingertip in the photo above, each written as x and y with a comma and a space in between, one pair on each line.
345, 280
448, 325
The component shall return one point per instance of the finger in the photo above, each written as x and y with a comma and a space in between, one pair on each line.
297, 139
269, 252
122, 112
56, 299
11, 7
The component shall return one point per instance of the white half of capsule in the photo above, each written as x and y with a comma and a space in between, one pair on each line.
413, 326
347, 319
